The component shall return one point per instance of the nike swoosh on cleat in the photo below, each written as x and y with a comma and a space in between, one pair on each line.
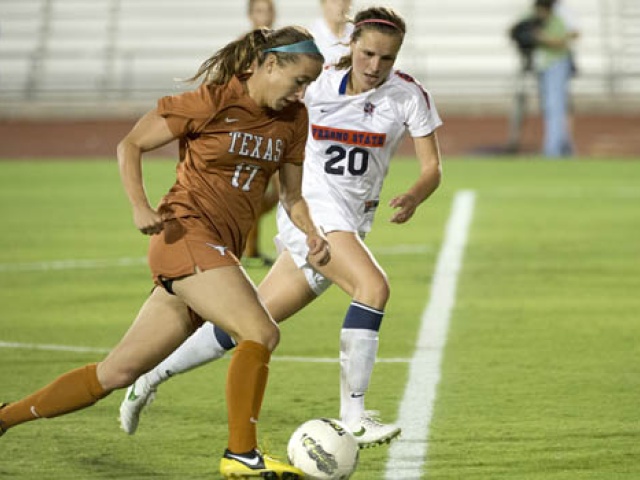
132, 394
252, 462
360, 432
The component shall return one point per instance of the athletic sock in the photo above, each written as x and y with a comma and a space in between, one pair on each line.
208, 343
358, 350
246, 383
72, 391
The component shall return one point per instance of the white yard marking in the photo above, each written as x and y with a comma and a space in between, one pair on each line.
77, 264
408, 455
277, 358
71, 264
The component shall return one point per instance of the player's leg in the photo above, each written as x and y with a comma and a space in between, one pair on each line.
238, 310
287, 289
208, 343
554, 86
154, 334
354, 269
284, 291
201, 347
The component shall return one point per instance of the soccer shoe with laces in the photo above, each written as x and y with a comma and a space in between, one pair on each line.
370, 432
137, 396
256, 465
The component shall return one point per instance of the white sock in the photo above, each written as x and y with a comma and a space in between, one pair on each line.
201, 347
358, 350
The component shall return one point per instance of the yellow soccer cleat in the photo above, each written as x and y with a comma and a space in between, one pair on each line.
256, 465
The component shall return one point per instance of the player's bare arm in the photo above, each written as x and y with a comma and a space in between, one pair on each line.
296, 207
149, 133
428, 154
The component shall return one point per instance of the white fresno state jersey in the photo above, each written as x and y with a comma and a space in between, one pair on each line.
351, 141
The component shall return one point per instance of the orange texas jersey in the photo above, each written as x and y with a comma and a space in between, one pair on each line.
229, 148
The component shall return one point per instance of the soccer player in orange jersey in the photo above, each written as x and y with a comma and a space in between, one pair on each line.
243, 124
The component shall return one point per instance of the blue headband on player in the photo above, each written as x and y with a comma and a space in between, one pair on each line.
306, 46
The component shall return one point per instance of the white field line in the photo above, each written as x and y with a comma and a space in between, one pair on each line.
407, 456
77, 264
277, 358
72, 264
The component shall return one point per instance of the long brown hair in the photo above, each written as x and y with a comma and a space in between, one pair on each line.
237, 57
386, 14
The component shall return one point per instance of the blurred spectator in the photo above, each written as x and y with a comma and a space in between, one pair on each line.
332, 32
553, 64
261, 13
561, 9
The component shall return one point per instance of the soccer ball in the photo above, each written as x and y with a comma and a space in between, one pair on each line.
323, 449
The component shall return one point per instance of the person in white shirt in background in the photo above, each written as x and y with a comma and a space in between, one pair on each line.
261, 13
332, 32
561, 9
570, 20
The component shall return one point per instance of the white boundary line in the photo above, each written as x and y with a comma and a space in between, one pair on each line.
407, 456
72, 264
76, 349
79, 264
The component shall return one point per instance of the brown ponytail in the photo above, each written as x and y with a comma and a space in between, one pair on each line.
238, 57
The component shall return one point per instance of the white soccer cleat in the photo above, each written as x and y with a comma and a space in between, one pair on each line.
138, 396
370, 432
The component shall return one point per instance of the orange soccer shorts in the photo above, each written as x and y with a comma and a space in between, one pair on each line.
185, 246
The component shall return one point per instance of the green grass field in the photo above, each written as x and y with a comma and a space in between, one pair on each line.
540, 376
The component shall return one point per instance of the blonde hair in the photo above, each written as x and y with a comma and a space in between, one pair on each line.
368, 16
238, 57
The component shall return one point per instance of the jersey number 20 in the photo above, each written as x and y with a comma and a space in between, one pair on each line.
357, 161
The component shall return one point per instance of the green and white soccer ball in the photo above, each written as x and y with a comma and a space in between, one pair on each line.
324, 449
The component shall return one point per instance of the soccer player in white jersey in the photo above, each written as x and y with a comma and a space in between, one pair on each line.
358, 112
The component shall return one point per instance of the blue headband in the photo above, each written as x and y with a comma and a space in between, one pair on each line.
306, 46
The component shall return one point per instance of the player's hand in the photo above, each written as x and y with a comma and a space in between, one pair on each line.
147, 220
406, 205
319, 250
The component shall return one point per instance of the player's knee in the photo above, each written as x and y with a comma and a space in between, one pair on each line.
267, 334
273, 337
374, 291
112, 378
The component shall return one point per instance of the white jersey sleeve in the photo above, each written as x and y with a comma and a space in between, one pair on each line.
418, 109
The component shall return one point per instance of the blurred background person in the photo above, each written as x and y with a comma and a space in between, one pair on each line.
261, 13
332, 32
570, 20
553, 64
